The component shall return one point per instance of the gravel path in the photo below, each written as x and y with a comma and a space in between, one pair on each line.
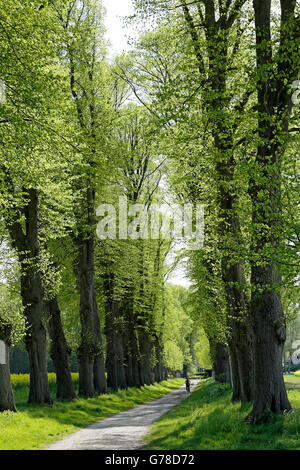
124, 431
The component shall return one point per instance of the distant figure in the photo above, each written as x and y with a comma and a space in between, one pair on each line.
188, 385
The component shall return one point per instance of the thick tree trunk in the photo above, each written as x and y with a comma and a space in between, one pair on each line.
241, 338
221, 365
37, 352
237, 302
99, 374
269, 338
244, 350
241, 360
7, 402
274, 106
32, 298
59, 351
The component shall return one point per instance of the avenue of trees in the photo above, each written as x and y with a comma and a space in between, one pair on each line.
204, 110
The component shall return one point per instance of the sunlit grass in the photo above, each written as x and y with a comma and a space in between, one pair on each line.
33, 427
292, 381
208, 420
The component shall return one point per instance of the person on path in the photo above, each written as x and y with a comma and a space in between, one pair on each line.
188, 385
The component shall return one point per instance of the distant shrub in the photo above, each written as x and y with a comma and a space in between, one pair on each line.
297, 372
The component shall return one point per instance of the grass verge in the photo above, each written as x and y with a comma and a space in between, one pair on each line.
34, 427
207, 420
292, 382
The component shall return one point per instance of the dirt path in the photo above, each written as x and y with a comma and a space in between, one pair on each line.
124, 431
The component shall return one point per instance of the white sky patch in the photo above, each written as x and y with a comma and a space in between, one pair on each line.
179, 278
117, 32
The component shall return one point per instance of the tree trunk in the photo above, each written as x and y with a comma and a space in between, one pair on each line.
274, 109
59, 351
35, 341
114, 338
159, 368
32, 298
6, 394
237, 302
99, 374
131, 360
128, 366
99, 365
216, 101
235, 376
269, 338
221, 365
241, 337
145, 358
7, 402
90, 351
115, 357
130, 342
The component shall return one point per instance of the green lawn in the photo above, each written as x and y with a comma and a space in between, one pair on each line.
33, 427
292, 382
207, 420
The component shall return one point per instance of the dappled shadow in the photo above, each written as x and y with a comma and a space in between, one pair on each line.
209, 421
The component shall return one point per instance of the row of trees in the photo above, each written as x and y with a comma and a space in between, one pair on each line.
70, 141
220, 78
213, 120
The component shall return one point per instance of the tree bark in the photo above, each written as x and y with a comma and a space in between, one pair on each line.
130, 341
90, 352
221, 364
270, 393
87, 348
235, 376
7, 402
59, 351
99, 365
158, 371
27, 246
274, 109
114, 338
145, 358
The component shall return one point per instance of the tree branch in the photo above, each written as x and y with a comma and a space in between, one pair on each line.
195, 38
